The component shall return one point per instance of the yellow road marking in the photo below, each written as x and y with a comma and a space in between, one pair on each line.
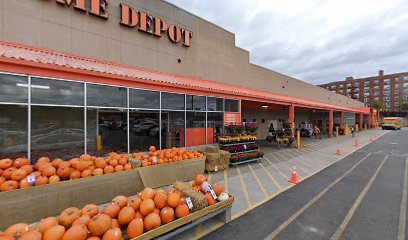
304, 162
297, 165
226, 180
357, 203
271, 177
403, 208
198, 231
244, 188
209, 230
292, 218
209, 177
277, 169
259, 182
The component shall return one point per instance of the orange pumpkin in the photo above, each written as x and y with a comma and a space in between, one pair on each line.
199, 179
54, 233
115, 223
64, 172
167, 215
23, 183
99, 225
147, 193
210, 199
91, 209
86, 173
28, 169
119, 168
135, 228
160, 199
113, 162
147, 206
9, 185
218, 189
100, 163
113, 234
49, 171
82, 165
44, 159
7, 173
33, 235
77, 232
47, 223
5, 163
108, 169
57, 162
41, 180
83, 220
123, 161
75, 175
74, 162
68, 216
112, 210
126, 215
17, 230
152, 221
135, 202
19, 162
65, 164
182, 210
93, 238
152, 148
85, 157
97, 172
173, 200
18, 174
43, 166
138, 214
54, 179
121, 201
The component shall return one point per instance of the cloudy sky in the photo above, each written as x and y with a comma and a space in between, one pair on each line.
316, 40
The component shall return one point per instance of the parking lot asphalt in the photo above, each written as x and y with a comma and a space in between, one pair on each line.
362, 196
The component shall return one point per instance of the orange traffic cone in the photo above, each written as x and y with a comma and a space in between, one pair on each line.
294, 175
338, 152
356, 143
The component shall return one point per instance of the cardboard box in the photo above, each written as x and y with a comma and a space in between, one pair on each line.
32, 204
166, 174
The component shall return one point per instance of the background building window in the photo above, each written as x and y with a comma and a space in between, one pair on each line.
144, 99
106, 96
231, 105
172, 101
13, 89
215, 124
144, 129
215, 104
56, 92
172, 129
13, 131
196, 103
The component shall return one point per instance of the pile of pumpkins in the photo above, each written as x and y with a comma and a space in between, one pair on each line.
14, 174
155, 157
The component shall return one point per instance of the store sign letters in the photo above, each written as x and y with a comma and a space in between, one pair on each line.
133, 19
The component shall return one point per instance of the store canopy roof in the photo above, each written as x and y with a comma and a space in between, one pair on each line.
25, 55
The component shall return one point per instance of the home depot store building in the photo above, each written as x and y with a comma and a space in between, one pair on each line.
88, 76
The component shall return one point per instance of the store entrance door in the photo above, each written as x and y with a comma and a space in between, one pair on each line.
111, 129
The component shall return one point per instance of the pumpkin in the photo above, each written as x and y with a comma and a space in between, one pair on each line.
135, 202
54, 233
65, 164
223, 196
167, 215
54, 179
75, 175
152, 221
44, 159
33, 235
77, 232
82, 165
127, 167
112, 210
97, 172
218, 189
17, 230
182, 210
74, 162
43, 166
47, 223
119, 168
57, 162
7, 173
126, 215
7, 238
37, 174
173, 200
135, 228
108, 169
68, 216
19, 162
115, 223
139, 215
121, 201
9, 185
85, 157
91, 209
84, 220
152, 148
99, 225
146, 207
93, 238
86, 173
49, 171
41, 180
123, 161
2, 180
64, 172
113, 234
199, 179
160, 199
18, 174
147, 193
210, 199
24, 183
100, 163
5, 163
28, 169
113, 162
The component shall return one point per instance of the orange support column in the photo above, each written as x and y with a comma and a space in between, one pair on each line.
292, 117
361, 126
330, 123
341, 119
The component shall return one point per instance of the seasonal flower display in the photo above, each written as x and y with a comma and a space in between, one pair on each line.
246, 156
240, 148
240, 139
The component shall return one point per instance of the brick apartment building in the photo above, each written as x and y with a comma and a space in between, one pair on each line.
390, 89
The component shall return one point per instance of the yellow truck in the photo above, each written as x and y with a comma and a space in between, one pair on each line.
392, 123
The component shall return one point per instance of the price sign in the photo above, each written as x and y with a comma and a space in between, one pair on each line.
245, 147
154, 159
189, 203
206, 186
213, 194
31, 179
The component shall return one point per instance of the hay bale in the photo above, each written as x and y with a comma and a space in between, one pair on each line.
212, 157
211, 149
197, 198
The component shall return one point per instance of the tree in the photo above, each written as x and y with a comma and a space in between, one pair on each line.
404, 107
377, 105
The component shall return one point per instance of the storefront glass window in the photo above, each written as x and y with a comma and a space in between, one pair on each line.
57, 132
144, 99
13, 131
195, 103
106, 131
13, 88
106, 96
215, 126
144, 130
231, 105
172, 101
215, 104
195, 131
172, 129
48, 91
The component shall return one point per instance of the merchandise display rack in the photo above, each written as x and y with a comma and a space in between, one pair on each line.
258, 159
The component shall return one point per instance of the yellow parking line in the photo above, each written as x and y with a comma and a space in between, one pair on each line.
357, 203
271, 177
209, 230
297, 165
199, 230
304, 162
277, 169
209, 177
248, 201
259, 182
403, 208
225, 181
